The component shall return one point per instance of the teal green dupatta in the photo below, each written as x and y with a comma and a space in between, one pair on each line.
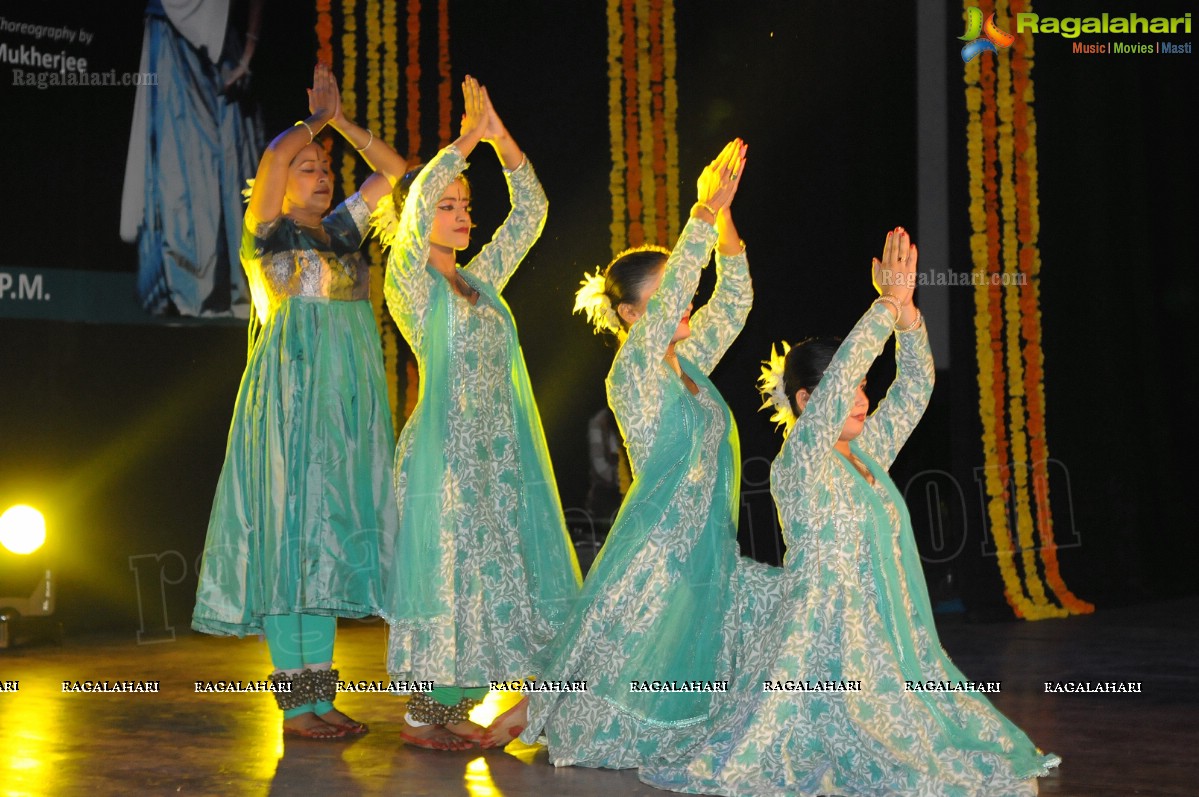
421, 576
678, 635
892, 576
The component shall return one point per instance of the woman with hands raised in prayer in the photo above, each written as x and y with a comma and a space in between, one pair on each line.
664, 599
483, 571
855, 619
304, 500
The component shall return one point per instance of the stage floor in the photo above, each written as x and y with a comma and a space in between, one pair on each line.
179, 742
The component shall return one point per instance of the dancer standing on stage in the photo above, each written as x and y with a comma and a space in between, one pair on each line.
484, 572
305, 499
857, 611
661, 601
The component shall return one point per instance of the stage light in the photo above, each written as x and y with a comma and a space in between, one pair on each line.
22, 529
22, 532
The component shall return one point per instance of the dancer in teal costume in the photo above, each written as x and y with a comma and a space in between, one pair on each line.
304, 500
661, 603
857, 609
484, 572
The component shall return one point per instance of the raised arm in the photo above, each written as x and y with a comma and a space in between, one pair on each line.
498, 259
408, 280
270, 182
890, 425
388, 165
634, 383
892, 422
717, 324
819, 426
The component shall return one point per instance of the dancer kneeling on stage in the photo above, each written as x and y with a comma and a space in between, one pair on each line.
857, 614
663, 600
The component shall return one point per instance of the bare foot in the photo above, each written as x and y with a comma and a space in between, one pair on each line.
351, 727
433, 737
310, 726
507, 726
467, 730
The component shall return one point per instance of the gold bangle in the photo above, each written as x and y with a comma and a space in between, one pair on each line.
308, 127
913, 325
886, 298
369, 141
707, 207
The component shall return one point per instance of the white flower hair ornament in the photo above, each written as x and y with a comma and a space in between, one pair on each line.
248, 190
593, 300
770, 385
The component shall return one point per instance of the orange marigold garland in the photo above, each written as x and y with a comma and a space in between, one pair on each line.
444, 82
1000, 131
1028, 218
615, 124
643, 106
412, 77
990, 390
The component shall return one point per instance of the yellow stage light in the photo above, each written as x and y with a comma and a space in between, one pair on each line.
22, 529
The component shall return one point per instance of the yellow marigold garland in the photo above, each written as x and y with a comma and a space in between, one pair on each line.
349, 96
616, 125
643, 108
1001, 86
670, 110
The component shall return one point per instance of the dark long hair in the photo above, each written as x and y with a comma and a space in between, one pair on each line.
806, 364
627, 274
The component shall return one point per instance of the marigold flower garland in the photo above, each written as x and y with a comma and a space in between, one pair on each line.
616, 132
1028, 218
1000, 86
349, 96
642, 106
996, 504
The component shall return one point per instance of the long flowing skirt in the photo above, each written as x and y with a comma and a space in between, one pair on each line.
304, 507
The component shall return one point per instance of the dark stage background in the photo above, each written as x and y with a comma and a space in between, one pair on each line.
117, 431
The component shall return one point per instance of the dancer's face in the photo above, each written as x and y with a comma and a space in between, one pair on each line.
631, 313
857, 413
310, 179
451, 220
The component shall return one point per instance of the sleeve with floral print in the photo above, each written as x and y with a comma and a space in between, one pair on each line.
717, 324
635, 387
498, 259
892, 422
819, 426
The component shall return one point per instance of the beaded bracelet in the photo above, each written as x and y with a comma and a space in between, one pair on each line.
891, 300
913, 325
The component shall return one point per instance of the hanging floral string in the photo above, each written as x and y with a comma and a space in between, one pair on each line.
445, 83
616, 125
1004, 223
1029, 265
643, 107
412, 77
348, 75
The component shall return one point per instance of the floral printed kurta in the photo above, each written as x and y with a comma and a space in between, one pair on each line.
483, 568
856, 613
663, 600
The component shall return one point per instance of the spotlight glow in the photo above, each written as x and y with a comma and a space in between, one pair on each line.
22, 529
